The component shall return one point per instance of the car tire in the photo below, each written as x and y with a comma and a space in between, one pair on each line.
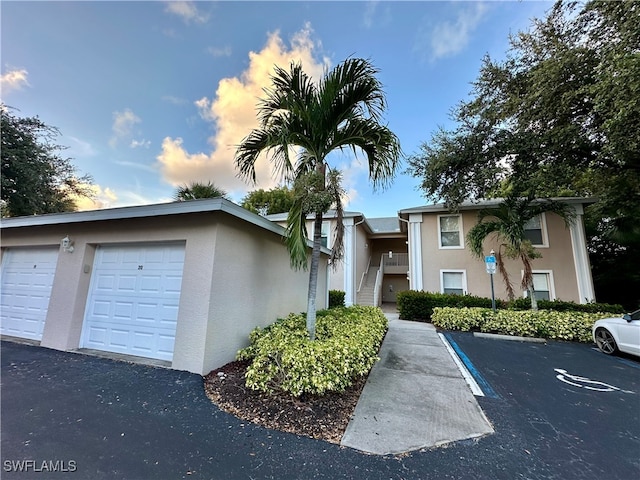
605, 341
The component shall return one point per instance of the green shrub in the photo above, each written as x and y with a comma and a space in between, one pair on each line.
283, 359
562, 306
336, 298
414, 305
550, 324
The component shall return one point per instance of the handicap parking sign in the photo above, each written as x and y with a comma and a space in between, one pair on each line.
490, 262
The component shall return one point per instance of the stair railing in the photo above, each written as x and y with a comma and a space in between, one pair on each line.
366, 271
377, 289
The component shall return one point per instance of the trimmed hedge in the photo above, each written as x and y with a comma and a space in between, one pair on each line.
553, 325
283, 359
336, 298
414, 305
562, 306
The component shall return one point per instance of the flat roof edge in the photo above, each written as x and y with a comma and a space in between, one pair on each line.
146, 211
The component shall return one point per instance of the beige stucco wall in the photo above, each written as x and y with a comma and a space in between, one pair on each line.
382, 246
234, 273
391, 285
252, 285
557, 257
363, 252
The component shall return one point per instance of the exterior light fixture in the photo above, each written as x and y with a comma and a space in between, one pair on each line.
67, 244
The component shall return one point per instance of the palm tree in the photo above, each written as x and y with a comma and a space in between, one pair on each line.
342, 111
507, 223
196, 190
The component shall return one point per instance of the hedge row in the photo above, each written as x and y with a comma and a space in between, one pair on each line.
414, 305
553, 325
336, 298
283, 359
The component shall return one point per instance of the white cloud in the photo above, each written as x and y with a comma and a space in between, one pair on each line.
81, 148
219, 51
175, 100
123, 123
449, 38
232, 110
102, 198
140, 143
374, 16
14, 80
369, 13
188, 11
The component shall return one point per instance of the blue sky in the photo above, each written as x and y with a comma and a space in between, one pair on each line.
151, 95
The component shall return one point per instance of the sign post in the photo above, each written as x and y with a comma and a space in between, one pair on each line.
490, 262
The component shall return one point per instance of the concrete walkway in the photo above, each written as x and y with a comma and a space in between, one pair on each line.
415, 396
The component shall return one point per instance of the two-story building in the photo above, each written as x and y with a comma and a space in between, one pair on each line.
424, 248
184, 283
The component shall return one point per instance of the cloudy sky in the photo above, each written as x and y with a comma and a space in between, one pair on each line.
152, 95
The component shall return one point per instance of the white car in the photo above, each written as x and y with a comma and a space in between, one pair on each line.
618, 334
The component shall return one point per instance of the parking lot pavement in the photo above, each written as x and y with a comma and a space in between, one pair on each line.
571, 405
107, 419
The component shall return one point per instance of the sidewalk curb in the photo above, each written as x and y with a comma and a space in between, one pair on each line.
497, 336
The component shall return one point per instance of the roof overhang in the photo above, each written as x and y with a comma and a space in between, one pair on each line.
147, 211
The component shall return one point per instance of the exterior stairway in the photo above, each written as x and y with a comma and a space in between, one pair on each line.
365, 295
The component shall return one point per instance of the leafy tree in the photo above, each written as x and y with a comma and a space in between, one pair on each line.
342, 111
35, 178
268, 202
197, 190
558, 116
507, 224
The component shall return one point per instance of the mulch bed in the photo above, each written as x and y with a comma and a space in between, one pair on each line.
322, 417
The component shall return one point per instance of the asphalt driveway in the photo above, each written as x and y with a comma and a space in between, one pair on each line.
104, 419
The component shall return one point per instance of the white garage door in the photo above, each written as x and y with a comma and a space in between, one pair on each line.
133, 300
27, 278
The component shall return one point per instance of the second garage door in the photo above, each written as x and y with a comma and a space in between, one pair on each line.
133, 300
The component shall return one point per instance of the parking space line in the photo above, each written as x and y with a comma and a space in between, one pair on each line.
472, 374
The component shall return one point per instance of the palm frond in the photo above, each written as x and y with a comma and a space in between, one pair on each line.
379, 144
198, 190
334, 187
478, 233
296, 236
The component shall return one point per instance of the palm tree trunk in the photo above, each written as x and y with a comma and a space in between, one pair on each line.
313, 276
505, 275
527, 280
534, 300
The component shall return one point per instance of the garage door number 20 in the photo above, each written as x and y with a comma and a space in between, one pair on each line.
140, 267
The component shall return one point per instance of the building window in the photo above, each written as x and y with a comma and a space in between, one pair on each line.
450, 227
324, 235
534, 231
542, 286
453, 282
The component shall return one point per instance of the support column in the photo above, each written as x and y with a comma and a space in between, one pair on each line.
415, 251
348, 261
584, 279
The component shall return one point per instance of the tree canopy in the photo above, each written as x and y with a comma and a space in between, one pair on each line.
268, 202
559, 115
36, 179
198, 190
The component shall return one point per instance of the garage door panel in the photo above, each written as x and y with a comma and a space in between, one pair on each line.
27, 279
136, 291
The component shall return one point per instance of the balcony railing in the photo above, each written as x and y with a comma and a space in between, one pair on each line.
396, 259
